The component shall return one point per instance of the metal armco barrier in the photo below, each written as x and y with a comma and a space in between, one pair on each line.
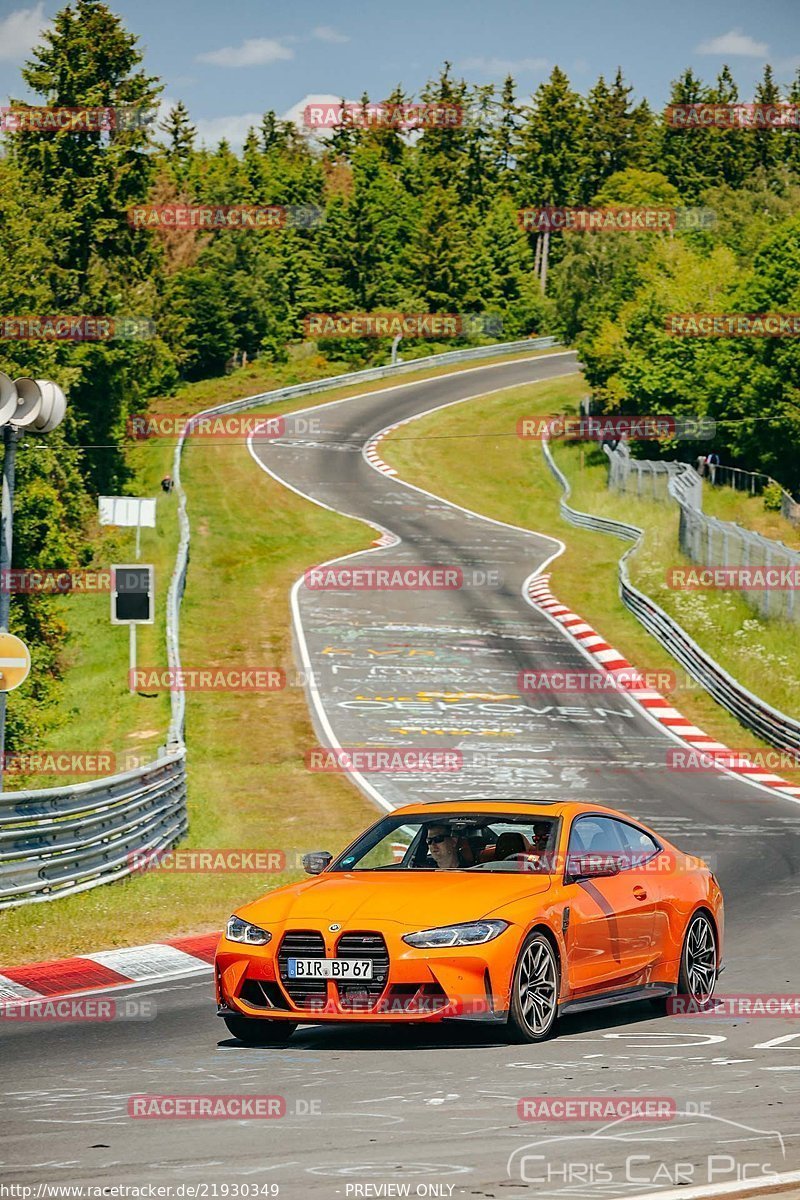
58, 841
775, 727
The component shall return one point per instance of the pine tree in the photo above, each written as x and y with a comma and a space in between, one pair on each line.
441, 147
688, 154
345, 135
389, 137
480, 169
253, 170
87, 59
505, 134
181, 134
500, 278
273, 132
618, 136
438, 254
552, 144
791, 136
734, 160
767, 142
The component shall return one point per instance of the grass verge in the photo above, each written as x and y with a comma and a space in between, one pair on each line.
729, 504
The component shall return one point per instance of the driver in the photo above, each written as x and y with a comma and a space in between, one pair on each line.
443, 847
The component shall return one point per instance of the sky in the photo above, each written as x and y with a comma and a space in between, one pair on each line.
231, 62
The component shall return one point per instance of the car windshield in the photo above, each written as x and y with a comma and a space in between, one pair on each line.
468, 842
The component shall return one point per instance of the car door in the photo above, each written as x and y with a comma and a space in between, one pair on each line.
609, 934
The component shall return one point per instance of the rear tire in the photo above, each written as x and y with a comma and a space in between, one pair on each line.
533, 1011
698, 974
256, 1032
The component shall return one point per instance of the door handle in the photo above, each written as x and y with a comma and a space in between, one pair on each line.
639, 892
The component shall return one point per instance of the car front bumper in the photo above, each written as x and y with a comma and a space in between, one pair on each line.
422, 986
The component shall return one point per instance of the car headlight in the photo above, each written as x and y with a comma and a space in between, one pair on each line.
241, 931
474, 933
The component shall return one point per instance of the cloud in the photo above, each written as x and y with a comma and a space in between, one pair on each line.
296, 113
212, 130
255, 52
20, 31
324, 33
733, 43
504, 66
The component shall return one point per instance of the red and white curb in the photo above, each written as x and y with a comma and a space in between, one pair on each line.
656, 705
371, 449
109, 969
374, 459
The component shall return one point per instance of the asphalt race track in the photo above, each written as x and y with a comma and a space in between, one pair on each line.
437, 1109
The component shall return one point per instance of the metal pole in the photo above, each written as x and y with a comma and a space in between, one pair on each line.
132, 658
138, 541
11, 436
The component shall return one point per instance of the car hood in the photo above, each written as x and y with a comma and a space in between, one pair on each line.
419, 900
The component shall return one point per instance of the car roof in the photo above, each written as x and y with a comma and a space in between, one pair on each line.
545, 808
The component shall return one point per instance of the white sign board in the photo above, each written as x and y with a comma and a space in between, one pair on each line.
127, 510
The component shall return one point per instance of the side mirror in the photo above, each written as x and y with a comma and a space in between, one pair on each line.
316, 861
592, 866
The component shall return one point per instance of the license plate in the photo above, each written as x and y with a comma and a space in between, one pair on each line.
329, 968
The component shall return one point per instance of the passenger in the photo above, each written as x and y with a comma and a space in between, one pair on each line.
542, 831
541, 835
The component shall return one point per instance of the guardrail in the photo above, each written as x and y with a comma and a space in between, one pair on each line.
58, 841
775, 727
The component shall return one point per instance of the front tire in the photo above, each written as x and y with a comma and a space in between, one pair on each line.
534, 991
255, 1032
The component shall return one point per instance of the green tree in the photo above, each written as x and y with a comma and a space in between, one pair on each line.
768, 145
687, 153
505, 133
441, 147
552, 144
200, 323
181, 135
618, 135
87, 59
437, 257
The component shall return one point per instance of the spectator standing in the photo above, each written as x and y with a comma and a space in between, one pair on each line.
712, 462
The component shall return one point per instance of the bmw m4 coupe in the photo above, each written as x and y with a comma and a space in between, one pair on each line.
510, 912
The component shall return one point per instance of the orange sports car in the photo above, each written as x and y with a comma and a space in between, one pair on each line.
504, 911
